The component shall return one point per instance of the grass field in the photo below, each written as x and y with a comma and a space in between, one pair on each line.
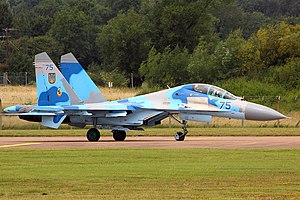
150, 174
162, 132
12, 95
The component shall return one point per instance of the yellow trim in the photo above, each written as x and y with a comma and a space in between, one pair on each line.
17, 145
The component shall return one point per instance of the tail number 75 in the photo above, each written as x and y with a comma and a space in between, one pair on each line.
226, 105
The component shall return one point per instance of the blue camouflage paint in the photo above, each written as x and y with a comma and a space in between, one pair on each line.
50, 98
185, 92
57, 118
17, 108
79, 80
69, 69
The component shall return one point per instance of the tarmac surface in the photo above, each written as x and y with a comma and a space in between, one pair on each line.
152, 142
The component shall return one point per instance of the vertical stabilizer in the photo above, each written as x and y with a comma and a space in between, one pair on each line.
79, 80
52, 87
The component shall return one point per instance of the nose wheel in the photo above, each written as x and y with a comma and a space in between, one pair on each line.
180, 136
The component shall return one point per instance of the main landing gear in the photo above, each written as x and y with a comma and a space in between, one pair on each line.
180, 136
119, 135
93, 135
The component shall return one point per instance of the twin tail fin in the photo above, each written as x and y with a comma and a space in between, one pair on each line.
52, 87
79, 80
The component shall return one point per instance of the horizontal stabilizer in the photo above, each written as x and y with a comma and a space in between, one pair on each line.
29, 114
48, 108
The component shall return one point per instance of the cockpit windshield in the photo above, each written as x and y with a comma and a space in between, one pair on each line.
214, 91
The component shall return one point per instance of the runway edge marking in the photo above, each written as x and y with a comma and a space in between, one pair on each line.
18, 145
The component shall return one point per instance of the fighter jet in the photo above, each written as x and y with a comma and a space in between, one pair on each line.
72, 98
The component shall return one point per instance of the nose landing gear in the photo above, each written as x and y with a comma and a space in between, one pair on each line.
180, 136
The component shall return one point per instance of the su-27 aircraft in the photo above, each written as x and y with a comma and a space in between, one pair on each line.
69, 96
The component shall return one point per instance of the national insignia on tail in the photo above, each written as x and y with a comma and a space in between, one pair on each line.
51, 78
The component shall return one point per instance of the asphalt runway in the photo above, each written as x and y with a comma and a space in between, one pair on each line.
152, 142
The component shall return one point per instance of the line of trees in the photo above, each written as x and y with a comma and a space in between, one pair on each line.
162, 43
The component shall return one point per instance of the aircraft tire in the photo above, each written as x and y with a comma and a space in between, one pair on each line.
93, 135
179, 136
119, 135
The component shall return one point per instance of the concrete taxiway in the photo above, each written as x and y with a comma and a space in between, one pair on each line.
152, 142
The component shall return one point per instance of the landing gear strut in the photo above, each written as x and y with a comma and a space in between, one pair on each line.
93, 134
180, 136
119, 135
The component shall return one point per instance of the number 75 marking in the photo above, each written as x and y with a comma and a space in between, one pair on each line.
226, 105
49, 67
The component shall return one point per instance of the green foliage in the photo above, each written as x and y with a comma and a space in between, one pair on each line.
203, 63
216, 60
118, 78
34, 45
287, 75
94, 71
123, 43
167, 68
272, 8
270, 46
6, 16
179, 23
22, 59
101, 77
121, 6
251, 87
231, 17
75, 32
20, 62
227, 55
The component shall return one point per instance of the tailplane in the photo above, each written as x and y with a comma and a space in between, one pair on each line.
79, 80
52, 87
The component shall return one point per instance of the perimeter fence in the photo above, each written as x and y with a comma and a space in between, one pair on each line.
17, 78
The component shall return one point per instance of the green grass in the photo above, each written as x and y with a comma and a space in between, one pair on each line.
163, 132
150, 174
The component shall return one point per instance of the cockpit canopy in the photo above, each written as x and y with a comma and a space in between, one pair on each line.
214, 91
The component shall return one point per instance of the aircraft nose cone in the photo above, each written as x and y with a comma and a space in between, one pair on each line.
258, 112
